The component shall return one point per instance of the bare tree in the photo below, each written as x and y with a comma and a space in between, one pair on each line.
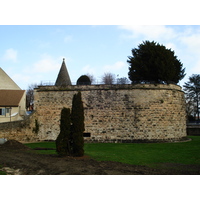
122, 81
192, 90
108, 78
92, 78
30, 95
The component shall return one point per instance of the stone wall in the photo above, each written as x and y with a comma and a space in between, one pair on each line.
23, 131
116, 113
193, 129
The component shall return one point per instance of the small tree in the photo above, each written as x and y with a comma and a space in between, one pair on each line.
83, 80
30, 95
63, 147
78, 127
91, 77
108, 79
122, 81
192, 89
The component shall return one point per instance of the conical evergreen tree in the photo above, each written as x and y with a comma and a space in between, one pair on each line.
63, 140
78, 127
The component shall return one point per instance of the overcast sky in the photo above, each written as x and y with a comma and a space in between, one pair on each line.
33, 53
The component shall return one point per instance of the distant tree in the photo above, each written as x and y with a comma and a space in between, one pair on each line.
91, 77
122, 81
83, 80
108, 78
190, 108
30, 95
152, 62
63, 146
78, 127
192, 90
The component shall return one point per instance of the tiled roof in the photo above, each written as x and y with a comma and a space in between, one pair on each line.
10, 98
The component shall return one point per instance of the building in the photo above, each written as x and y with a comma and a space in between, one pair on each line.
12, 99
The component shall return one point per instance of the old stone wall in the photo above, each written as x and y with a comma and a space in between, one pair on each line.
116, 113
193, 129
23, 130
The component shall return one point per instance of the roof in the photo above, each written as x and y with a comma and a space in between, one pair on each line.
10, 98
6, 83
63, 78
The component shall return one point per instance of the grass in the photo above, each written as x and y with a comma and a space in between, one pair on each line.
2, 172
43, 145
149, 154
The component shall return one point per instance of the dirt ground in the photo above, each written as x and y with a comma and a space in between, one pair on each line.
18, 159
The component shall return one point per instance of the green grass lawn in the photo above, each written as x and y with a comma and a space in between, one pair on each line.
149, 154
2, 172
43, 145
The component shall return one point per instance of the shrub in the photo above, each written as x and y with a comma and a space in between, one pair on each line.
83, 80
70, 141
63, 146
37, 126
77, 117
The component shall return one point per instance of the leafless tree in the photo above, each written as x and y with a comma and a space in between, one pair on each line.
108, 78
30, 95
92, 78
190, 106
192, 91
123, 81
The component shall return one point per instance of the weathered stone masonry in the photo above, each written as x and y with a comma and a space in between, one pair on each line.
116, 113
23, 130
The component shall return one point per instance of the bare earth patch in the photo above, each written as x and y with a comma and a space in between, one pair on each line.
18, 159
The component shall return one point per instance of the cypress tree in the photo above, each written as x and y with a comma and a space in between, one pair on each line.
78, 127
63, 140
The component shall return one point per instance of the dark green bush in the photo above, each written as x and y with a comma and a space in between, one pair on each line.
77, 117
83, 80
63, 146
70, 141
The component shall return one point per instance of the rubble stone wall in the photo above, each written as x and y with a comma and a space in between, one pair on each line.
23, 130
116, 113
113, 113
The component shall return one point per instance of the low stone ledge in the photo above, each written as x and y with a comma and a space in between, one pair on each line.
171, 140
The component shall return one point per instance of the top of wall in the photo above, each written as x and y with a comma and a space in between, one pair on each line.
110, 87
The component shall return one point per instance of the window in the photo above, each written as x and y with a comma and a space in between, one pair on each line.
7, 110
86, 134
2, 111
